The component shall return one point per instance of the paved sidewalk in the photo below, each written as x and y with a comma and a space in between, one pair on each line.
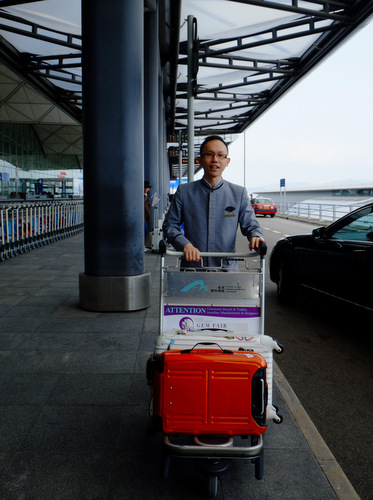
74, 401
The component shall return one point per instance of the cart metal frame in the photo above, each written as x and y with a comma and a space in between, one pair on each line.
214, 300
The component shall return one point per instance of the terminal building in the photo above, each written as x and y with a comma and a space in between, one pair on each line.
337, 194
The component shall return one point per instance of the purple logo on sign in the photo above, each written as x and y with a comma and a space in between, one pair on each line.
186, 324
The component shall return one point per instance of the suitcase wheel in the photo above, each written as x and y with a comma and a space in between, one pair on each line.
280, 349
279, 418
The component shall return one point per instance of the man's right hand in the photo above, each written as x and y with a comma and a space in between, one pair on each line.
191, 253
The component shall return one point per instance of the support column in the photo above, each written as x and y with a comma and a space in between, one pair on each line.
113, 135
151, 84
163, 153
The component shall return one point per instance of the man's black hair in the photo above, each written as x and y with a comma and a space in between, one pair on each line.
212, 138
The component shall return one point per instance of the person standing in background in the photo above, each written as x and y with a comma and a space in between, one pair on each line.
147, 203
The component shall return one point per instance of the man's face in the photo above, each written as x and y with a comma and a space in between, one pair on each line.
213, 160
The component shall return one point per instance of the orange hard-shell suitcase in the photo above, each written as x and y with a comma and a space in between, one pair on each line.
209, 392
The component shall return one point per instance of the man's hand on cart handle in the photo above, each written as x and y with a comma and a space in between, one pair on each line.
191, 253
255, 242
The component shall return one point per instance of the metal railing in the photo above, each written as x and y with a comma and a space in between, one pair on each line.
25, 226
321, 212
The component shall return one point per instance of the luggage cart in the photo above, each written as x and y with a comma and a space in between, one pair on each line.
210, 316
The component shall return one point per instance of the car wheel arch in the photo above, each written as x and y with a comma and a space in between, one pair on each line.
287, 281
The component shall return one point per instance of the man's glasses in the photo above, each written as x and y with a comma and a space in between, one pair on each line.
219, 156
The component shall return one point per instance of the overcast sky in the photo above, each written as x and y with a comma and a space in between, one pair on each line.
320, 132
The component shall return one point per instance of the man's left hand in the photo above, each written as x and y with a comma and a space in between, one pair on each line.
255, 242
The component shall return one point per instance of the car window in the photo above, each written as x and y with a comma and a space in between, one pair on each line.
360, 228
263, 200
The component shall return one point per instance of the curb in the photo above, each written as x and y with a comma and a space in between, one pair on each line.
332, 470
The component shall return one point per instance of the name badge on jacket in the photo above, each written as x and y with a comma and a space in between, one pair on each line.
229, 210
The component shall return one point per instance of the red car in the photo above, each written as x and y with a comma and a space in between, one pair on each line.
264, 206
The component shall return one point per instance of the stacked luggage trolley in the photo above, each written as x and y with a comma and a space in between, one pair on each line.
25, 226
212, 367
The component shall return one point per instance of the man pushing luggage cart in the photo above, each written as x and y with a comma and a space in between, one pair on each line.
211, 210
211, 370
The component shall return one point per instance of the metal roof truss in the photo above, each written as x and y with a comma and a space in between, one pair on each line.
246, 86
249, 53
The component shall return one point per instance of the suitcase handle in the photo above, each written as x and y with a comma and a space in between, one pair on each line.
225, 351
214, 330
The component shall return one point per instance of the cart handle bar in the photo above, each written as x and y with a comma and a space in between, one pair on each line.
262, 250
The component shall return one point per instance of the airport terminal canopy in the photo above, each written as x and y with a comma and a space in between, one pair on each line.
252, 51
247, 54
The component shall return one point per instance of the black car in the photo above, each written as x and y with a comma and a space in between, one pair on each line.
336, 260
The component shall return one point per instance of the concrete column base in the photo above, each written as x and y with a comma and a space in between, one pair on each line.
114, 293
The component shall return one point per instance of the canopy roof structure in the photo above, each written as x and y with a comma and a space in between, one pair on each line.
249, 53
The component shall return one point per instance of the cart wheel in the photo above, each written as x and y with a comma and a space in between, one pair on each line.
259, 467
165, 465
212, 485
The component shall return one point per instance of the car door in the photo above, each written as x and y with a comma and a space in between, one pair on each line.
339, 259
